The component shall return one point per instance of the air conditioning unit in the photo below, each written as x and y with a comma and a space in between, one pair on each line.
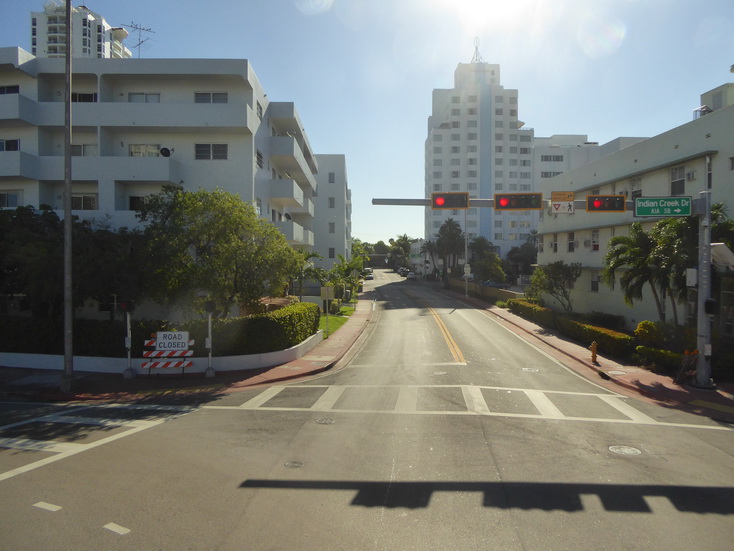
587, 242
691, 175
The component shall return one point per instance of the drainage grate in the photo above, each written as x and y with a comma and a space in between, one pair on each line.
325, 421
294, 464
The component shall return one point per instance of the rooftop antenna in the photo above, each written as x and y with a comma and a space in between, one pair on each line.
477, 56
140, 30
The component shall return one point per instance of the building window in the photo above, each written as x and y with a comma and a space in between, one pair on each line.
9, 199
548, 174
472, 99
144, 150
438, 175
211, 151
455, 174
438, 137
140, 97
84, 150
594, 240
455, 112
332, 177
211, 97
9, 145
332, 227
259, 206
332, 252
13, 89
437, 150
731, 163
84, 97
571, 242
259, 159
594, 282
259, 111
455, 99
137, 202
524, 138
437, 187
551, 158
82, 201
332, 202
677, 180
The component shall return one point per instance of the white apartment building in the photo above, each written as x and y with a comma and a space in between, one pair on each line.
140, 124
333, 202
684, 161
91, 35
477, 144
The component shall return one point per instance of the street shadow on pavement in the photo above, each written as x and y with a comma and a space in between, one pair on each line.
521, 495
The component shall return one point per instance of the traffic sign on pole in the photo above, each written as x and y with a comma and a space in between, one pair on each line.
662, 206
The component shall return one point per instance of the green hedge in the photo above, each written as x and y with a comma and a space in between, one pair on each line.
256, 334
665, 359
608, 341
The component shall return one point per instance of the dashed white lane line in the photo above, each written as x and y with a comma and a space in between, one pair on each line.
47, 506
117, 529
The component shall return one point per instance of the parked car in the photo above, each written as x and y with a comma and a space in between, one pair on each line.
410, 275
495, 284
369, 275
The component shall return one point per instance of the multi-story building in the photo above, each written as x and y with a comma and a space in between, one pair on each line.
695, 157
91, 35
141, 124
477, 144
333, 202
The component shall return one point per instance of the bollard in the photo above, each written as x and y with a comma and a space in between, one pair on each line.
593, 348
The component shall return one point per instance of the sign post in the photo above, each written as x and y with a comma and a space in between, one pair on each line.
662, 206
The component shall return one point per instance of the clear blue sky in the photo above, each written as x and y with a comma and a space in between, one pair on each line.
361, 72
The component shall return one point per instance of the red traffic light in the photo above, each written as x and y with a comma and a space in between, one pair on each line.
518, 201
606, 203
455, 200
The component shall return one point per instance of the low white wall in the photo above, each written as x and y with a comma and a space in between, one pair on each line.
119, 365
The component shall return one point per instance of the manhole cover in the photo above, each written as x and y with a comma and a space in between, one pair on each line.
530, 369
294, 464
325, 421
624, 450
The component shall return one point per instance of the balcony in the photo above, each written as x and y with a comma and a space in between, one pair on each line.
295, 234
287, 193
287, 157
17, 164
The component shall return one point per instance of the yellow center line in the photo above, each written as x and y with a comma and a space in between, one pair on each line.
450, 342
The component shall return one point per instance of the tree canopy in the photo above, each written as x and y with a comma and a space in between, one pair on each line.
212, 241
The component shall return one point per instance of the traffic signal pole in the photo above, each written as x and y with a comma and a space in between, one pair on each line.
703, 338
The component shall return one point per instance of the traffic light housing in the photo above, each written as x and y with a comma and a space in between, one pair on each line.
606, 203
518, 201
455, 200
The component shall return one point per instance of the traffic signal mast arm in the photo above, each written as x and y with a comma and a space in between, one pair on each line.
579, 204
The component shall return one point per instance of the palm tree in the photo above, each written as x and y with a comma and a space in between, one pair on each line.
633, 254
429, 248
480, 247
450, 242
308, 270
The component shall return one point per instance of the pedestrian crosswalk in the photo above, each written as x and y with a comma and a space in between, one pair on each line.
454, 400
68, 430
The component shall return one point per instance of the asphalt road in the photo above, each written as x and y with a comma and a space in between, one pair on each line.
441, 430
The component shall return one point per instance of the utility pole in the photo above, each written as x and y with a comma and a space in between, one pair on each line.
67, 380
703, 340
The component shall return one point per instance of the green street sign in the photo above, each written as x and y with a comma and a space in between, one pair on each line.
662, 206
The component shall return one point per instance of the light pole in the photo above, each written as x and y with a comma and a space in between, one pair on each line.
68, 378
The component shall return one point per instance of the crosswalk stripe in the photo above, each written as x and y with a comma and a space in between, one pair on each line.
628, 410
328, 398
263, 397
474, 399
407, 400
544, 405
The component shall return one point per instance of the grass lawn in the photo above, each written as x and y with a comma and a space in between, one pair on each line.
336, 321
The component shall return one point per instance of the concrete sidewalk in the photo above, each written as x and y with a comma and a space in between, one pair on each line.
625, 378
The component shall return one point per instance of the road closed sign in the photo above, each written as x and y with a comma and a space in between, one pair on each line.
172, 340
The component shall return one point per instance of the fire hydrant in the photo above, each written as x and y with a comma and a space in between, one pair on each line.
593, 348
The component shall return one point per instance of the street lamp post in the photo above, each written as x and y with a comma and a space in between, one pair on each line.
68, 377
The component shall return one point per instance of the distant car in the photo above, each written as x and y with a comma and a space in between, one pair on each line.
410, 275
403, 271
368, 270
369, 275
495, 284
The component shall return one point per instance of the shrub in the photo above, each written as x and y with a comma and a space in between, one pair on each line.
608, 341
650, 334
255, 334
655, 357
539, 314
